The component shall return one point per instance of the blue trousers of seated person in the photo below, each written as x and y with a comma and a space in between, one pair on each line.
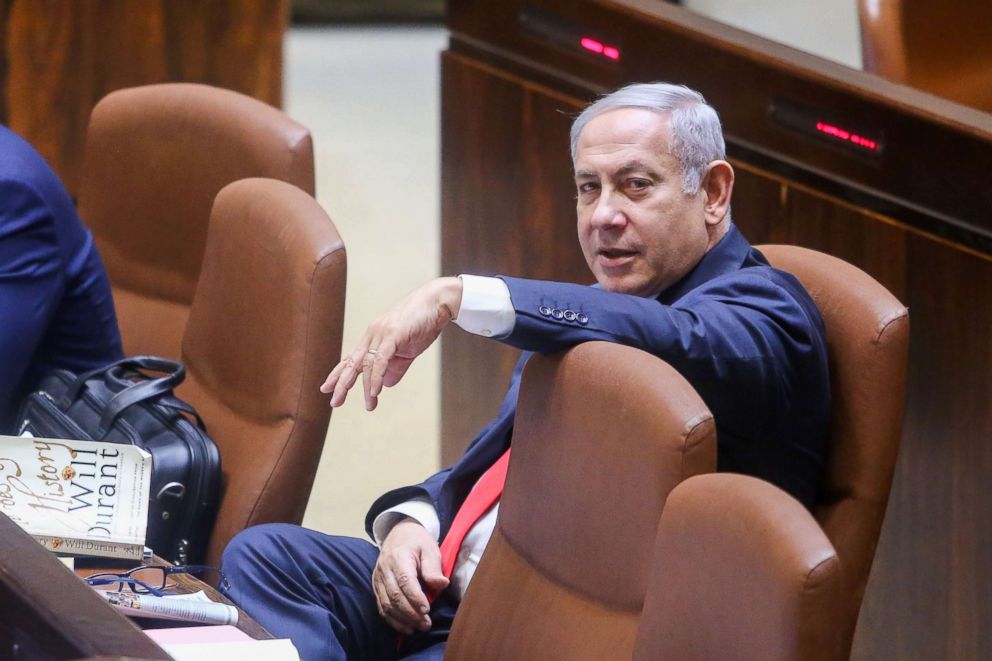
316, 590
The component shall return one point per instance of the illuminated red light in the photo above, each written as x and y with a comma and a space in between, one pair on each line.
592, 45
598, 47
838, 132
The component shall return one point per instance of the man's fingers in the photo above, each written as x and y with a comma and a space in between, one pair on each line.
400, 585
383, 603
395, 371
371, 357
328, 386
430, 571
409, 583
393, 600
344, 383
383, 362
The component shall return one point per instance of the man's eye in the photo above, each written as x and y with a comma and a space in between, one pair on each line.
588, 187
638, 184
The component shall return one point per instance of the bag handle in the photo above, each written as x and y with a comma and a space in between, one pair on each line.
180, 405
175, 373
131, 395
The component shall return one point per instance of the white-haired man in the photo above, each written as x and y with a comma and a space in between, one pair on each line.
675, 279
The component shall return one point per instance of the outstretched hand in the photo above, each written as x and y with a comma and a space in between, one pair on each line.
394, 340
409, 563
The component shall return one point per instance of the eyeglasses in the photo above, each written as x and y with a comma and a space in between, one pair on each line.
151, 579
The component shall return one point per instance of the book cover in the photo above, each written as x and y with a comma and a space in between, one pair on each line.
77, 497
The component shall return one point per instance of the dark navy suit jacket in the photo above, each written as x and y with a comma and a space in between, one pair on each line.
56, 309
746, 336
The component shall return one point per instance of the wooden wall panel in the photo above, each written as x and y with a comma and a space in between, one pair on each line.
59, 58
799, 216
523, 226
930, 592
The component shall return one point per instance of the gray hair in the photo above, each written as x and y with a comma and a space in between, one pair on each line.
697, 138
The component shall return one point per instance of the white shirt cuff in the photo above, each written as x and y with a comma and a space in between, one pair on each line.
486, 308
420, 510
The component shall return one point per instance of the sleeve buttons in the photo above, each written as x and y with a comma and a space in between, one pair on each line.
567, 315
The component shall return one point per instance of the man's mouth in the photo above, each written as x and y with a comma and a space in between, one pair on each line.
613, 257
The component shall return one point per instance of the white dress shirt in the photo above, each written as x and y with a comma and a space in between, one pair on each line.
486, 309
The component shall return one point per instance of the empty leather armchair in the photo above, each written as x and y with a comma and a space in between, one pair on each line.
867, 342
741, 571
264, 328
154, 160
944, 48
602, 434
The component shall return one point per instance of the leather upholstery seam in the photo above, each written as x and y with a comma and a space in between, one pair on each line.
524, 557
689, 429
306, 361
885, 324
809, 574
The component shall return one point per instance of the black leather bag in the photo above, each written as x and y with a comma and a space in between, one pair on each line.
119, 403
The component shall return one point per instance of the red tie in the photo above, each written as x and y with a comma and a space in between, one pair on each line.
482, 496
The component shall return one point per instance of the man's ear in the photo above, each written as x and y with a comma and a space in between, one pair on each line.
717, 186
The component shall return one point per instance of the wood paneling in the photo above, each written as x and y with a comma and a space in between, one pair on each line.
524, 226
938, 167
932, 563
367, 11
917, 219
59, 58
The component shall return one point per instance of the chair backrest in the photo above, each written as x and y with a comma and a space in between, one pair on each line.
937, 47
741, 571
264, 329
602, 434
155, 158
867, 342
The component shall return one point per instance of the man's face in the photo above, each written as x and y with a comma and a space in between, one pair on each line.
639, 232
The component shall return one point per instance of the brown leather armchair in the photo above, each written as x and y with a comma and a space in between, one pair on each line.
741, 571
868, 342
541, 591
155, 158
603, 433
264, 329
944, 48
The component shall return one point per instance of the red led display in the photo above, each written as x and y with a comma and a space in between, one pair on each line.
841, 134
598, 47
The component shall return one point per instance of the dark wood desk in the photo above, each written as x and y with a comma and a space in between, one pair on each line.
185, 584
48, 613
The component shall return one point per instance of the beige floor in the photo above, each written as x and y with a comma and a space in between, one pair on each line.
371, 99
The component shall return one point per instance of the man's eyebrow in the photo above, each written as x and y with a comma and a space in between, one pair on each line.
625, 169
633, 166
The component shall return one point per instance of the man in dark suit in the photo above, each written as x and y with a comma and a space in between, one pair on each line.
56, 309
675, 278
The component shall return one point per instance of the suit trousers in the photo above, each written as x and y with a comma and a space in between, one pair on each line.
316, 590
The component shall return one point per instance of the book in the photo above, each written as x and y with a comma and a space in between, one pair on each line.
277, 649
212, 642
85, 498
207, 633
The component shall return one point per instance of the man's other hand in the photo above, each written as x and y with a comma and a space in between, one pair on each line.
408, 557
394, 340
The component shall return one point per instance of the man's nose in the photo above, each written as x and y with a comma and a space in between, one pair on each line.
608, 213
